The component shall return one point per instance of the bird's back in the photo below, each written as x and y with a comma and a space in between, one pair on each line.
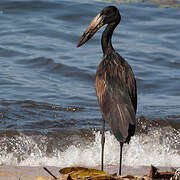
117, 95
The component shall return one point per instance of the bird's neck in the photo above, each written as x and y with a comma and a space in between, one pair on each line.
106, 37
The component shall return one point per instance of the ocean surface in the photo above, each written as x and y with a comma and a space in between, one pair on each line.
49, 113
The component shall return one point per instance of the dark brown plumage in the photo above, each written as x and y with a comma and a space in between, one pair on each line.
115, 83
116, 92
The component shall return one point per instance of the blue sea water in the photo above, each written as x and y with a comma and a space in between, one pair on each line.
48, 105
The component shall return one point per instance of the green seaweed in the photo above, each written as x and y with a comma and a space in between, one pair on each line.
163, 3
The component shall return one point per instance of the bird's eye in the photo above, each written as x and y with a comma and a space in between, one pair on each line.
108, 12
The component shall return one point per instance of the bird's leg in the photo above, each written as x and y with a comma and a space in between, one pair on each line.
102, 144
120, 162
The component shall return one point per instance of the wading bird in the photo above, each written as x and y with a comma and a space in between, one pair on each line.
115, 82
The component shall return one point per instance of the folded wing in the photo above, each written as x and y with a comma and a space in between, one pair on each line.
116, 92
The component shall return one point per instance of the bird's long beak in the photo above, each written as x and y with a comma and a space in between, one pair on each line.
93, 27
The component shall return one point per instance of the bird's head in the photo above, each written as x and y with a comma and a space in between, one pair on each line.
108, 15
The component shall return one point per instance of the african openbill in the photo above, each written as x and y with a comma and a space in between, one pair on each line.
115, 82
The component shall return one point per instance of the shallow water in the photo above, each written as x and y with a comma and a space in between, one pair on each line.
48, 106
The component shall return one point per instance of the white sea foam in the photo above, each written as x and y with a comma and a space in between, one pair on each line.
143, 150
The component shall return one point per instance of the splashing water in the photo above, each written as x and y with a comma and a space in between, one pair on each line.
158, 147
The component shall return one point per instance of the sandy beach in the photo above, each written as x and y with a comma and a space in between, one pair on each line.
30, 173
24, 173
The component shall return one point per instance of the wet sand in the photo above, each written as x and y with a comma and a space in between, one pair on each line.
30, 173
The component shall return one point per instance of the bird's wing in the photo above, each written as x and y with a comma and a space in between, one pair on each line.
115, 100
131, 84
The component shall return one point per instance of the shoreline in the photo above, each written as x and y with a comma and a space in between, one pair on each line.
31, 172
